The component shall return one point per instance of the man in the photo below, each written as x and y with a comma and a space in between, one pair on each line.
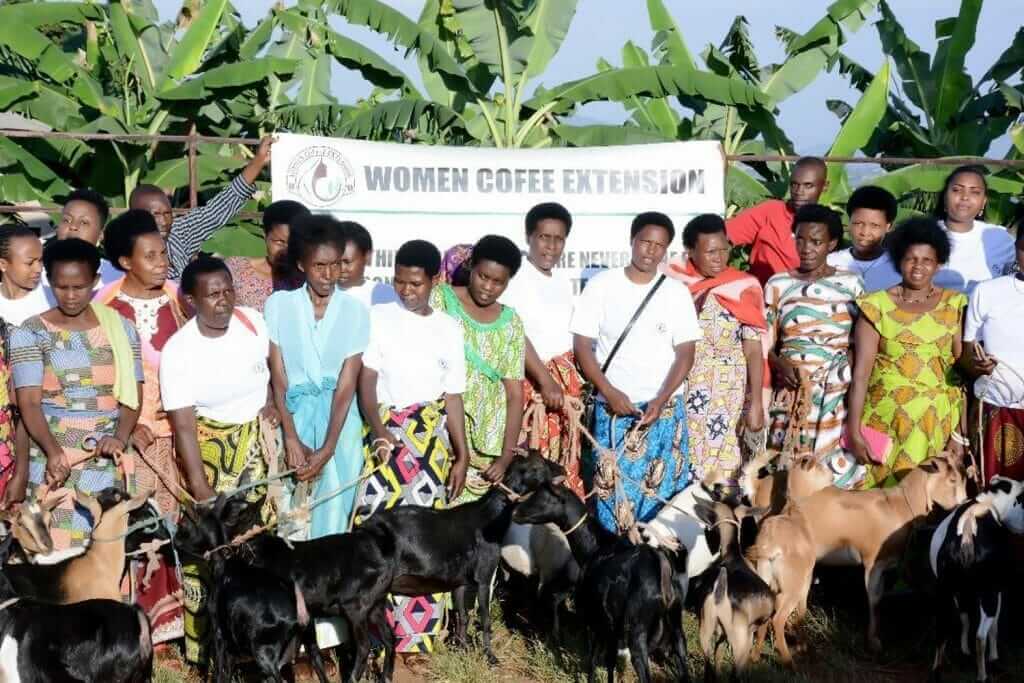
544, 301
768, 227
642, 382
185, 235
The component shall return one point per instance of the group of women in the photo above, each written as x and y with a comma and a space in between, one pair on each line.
296, 364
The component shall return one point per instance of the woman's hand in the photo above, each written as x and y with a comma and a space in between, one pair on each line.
552, 395
619, 404
315, 465
653, 410
859, 447
754, 419
296, 453
956, 448
457, 478
143, 437
270, 414
787, 374
496, 472
202, 491
14, 494
111, 447
57, 469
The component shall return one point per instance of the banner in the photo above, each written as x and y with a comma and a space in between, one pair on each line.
453, 195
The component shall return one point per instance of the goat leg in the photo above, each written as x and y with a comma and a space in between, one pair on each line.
873, 585
459, 635
361, 639
316, 659
378, 619
638, 651
678, 635
611, 658
592, 654
483, 607
708, 626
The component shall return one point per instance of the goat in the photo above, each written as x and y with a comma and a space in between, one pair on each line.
734, 601
340, 575
677, 523
92, 640
459, 548
971, 557
542, 551
632, 595
784, 553
884, 521
30, 525
94, 574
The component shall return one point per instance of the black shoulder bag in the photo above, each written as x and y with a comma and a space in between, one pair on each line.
590, 392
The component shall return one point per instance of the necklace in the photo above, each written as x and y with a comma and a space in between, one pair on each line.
929, 295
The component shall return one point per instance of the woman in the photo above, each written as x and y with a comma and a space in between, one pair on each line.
729, 361
640, 413
77, 371
144, 296
495, 351
908, 339
214, 384
979, 251
257, 278
411, 396
811, 312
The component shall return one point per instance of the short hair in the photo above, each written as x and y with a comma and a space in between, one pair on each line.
652, 218
356, 234
704, 224
419, 254
980, 171
311, 231
90, 196
120, 235
204, 264
501, 250
146, 189
875, 198
9, 233
545, 211
816, 162
816, 213
70, 250
282, 212
918, 230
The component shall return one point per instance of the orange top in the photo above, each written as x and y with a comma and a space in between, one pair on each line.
768, 228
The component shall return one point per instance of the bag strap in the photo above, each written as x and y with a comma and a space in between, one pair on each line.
629, 325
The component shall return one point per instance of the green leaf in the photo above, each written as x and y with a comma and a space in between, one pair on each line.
378, 17
546, 27
314, 76
602, 135
13, 89
384, 120
956, 38
37, 174
132, 49
743, 189
931, 178
1011, 62
373, 67
652, 81
173, 173
36, 14
654, 114
235, 241
187, 55
257, 38
1017, 137
856, 131
911, 62
668, 39
230, 76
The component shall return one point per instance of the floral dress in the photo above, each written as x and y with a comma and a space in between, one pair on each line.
494, 351
253, 289
717, 391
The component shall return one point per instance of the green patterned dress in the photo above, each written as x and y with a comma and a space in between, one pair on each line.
494, 352
912, 393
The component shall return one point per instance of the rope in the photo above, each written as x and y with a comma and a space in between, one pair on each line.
535, 422
577, 525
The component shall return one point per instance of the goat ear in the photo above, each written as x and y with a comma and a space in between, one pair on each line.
930, 466
53, 499
91, 504
999, 484
138, 501
705, 513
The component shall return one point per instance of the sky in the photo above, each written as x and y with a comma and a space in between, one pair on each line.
601, 27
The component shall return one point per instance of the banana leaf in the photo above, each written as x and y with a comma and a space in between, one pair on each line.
956, 38
602, 136
230, 77
186, 57
668, 41
546, 27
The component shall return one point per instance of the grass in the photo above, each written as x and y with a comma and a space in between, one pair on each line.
832, 640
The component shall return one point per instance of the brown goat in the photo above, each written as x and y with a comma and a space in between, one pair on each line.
30, 524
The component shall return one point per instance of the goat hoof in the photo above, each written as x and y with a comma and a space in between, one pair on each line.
491, 659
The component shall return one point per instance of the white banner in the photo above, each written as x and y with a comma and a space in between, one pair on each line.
452, 195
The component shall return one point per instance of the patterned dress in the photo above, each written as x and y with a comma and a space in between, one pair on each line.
912, 393
812, 327
494, 351
252, 289
75, 370
717, 391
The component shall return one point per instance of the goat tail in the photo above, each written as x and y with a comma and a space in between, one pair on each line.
145, 634
300, 607
722, 586
667, 592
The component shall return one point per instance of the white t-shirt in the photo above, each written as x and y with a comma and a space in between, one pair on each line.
641, 364
979, 255
225, 377
16, 311
417, 358
544, 303
878, 273
994, 318
372, 293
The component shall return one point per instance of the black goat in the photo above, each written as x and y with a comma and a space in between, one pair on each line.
93, 640
458, 549
627, 595
971, 556
341, 575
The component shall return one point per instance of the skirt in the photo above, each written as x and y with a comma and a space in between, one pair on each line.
233, 456
415, 475
1002, 431
654, 464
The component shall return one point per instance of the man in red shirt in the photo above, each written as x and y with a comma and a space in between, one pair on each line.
768, 227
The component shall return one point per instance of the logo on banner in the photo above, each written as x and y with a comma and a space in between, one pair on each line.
320, 175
